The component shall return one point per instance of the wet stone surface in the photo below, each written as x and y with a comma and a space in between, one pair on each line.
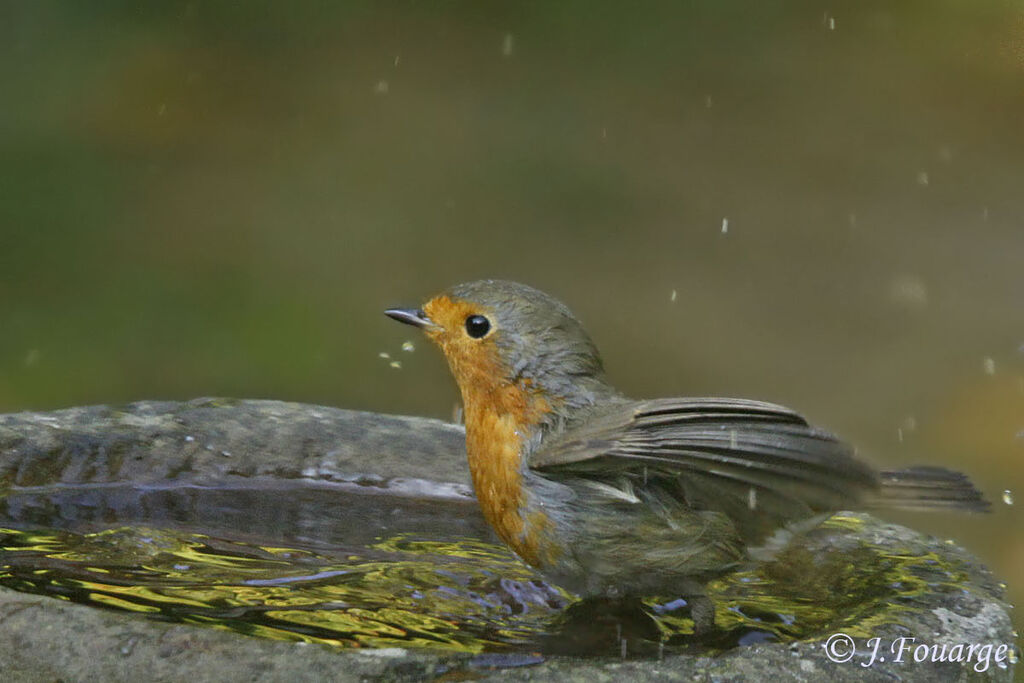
350, 543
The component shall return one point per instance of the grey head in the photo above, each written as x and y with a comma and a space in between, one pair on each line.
540, 340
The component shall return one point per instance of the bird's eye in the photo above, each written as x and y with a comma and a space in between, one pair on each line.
477, 326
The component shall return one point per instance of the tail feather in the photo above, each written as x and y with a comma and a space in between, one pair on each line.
928, 488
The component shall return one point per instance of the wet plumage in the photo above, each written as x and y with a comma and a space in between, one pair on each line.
609, 496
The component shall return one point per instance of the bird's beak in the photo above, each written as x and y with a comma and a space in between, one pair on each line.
410, 316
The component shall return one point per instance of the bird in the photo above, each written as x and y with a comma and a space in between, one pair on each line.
617, 499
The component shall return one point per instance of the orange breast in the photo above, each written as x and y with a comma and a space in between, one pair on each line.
494, 440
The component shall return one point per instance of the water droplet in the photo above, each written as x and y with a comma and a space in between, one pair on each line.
396, 364
1008, 497
909, 291
127, 648
408, 346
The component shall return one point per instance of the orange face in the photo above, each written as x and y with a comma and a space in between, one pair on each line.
500, 335
465, 333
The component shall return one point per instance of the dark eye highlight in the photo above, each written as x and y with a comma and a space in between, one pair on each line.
477, 326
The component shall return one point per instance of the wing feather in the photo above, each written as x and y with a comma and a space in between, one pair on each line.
719, 450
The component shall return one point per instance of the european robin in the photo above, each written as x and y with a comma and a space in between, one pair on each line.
618, 498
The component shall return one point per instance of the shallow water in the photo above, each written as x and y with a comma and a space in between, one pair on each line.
386, 572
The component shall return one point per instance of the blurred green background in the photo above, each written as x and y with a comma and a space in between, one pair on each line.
219, 198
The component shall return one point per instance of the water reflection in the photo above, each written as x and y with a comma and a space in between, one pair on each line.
386, 572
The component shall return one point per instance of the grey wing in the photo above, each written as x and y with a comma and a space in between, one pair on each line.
760, 463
